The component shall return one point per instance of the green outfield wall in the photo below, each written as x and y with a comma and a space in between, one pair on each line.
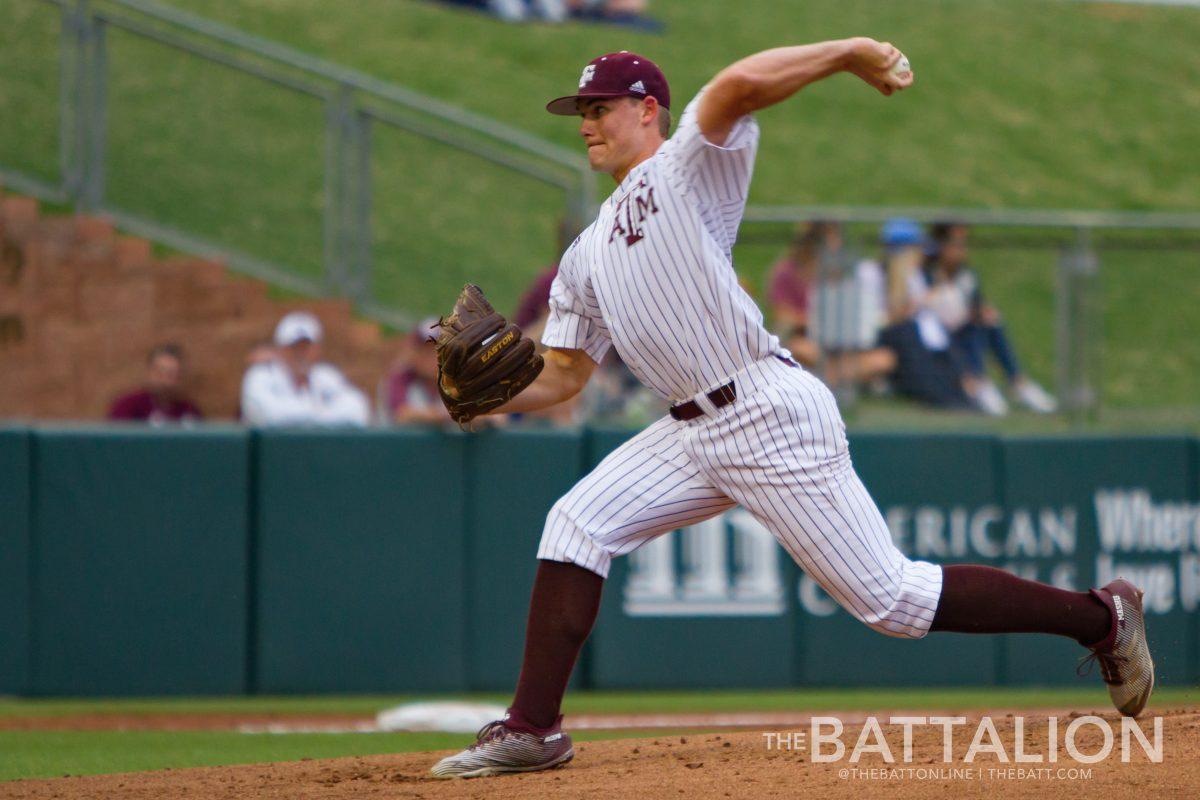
15, 498
226, 561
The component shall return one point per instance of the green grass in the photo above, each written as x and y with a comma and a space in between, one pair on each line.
592, 702
52, 754
44, 754
1018, 103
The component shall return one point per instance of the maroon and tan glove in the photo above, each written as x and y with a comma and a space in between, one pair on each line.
483, 361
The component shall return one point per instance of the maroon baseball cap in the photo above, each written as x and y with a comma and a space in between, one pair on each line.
622, 74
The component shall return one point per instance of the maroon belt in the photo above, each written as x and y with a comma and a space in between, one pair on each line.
719, 397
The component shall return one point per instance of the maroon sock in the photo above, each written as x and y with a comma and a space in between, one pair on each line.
566, 599
978, 599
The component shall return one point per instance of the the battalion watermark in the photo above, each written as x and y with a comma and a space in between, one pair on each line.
965, 773
1013, 755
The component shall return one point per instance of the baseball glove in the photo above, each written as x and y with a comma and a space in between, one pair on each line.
483, 361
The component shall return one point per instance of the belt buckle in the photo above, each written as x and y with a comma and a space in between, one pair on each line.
727, 393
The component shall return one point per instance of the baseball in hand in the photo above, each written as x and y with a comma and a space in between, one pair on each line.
901, 66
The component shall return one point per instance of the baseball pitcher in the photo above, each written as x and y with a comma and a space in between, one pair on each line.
653, 277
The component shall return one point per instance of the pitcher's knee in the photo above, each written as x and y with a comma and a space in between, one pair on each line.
904, 601
564, 539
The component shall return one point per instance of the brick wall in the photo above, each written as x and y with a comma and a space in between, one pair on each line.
80, 306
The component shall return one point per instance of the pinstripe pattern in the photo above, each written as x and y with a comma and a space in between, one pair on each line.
670, 302
653, 277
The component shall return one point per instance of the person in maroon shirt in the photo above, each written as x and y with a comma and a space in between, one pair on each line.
161, 400
792, 284
410, 392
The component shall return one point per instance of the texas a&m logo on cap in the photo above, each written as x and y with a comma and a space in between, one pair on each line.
622, 74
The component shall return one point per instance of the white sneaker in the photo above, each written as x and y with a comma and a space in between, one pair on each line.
509, 10
990, 400
1034, 397
551, 10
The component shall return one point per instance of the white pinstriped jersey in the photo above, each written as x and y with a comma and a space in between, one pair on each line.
653, 275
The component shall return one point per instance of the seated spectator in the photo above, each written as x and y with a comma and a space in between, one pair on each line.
630, 13
410, 391
261, 353
294, 387
975, 326
533, 309
925, 367
830, 307
161, 400
791, 283
532, 312
519, 10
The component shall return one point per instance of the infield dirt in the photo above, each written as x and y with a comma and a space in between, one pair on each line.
717, 765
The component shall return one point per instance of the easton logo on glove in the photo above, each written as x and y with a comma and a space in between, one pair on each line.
491, 351
483, 361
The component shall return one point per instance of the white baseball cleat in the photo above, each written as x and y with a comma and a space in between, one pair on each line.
1124, 655
499, 749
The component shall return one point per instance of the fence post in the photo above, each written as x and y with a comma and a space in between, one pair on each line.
336, 109
97, 115
68, 57
83, 124
358, 208
1076, 329
74, 99
347, 216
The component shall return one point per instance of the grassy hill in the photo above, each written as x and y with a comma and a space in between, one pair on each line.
1018, 103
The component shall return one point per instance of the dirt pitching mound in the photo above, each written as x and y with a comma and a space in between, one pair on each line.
738, 765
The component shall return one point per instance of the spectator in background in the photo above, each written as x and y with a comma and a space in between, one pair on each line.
926, 369
409, 393
161, 400
975, 326
294, 387
817, 276
519, 10
261, 353
792, 282
631, 13
533, 309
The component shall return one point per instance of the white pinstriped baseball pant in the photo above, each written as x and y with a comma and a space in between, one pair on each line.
779, 451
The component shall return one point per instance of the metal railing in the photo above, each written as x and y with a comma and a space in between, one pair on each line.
355, 105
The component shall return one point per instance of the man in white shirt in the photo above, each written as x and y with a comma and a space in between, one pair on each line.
295, 387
